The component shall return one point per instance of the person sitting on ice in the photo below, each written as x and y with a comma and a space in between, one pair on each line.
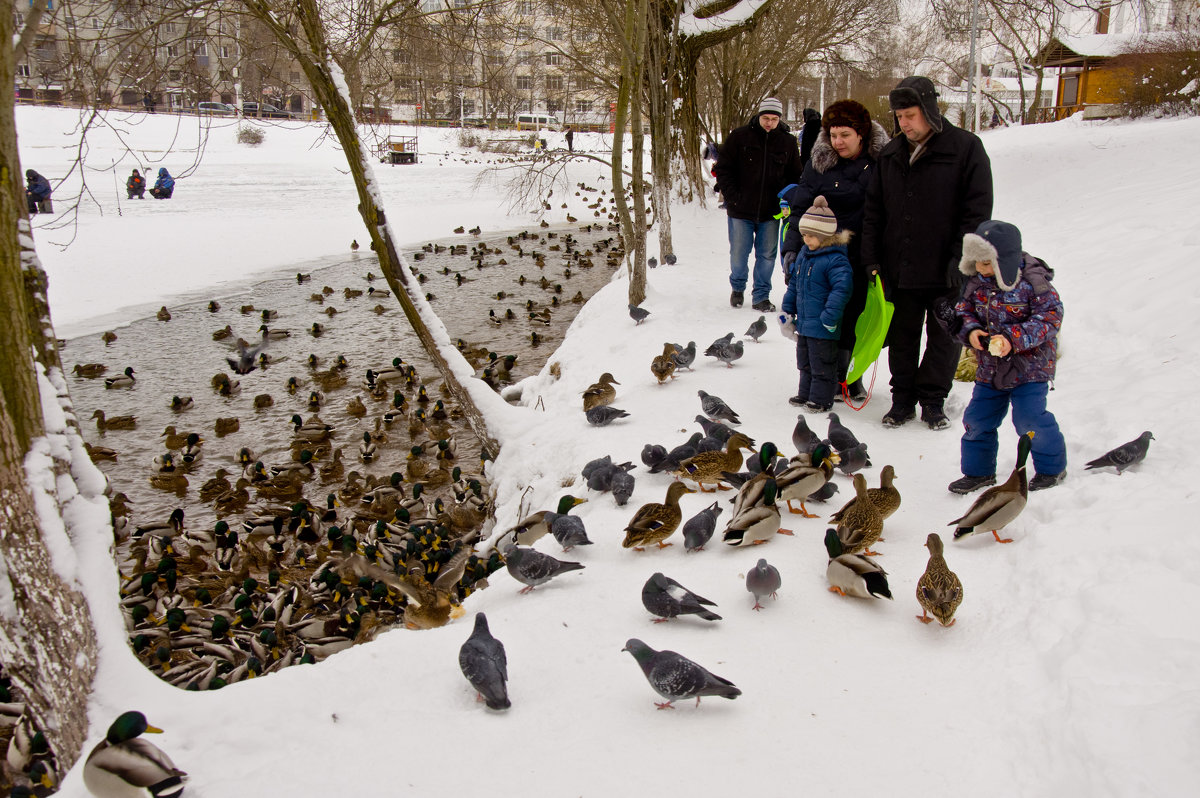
164, 187
37, 192
135, 186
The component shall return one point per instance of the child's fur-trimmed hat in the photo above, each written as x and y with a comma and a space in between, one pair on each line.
998, 242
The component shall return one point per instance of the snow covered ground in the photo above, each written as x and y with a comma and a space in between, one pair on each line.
1071, 670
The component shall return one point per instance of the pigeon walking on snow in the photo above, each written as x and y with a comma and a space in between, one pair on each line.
666, 598
803, 438
715, 408
677, 455
840, 435
604, 415
653, 454
638, 314
483, 662
675, 677
532, 568
758, 329
715, 429
763, 580
698, 529
727, 353
622, 486
685, 355
853, 459
1125, 455
724, 340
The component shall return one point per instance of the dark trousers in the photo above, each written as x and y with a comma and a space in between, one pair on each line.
988, 408
916, 377
817, 360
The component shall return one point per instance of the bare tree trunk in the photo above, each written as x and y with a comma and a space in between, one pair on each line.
629, 112
311, 49
47, 642
663, 23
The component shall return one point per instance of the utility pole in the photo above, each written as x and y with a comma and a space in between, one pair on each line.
972, 105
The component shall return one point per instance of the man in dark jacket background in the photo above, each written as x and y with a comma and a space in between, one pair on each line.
931, 186
37, 192
756, 162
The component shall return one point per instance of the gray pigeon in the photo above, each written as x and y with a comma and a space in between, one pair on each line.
763, 580
825, 493
853, 459
666, 598
716, 429
758, 329
247, 355
669, 259
710, 443
604, 415
839, 435
677, 455
730, 352
638, 314
601, 479
715, 408
622, 486
675, 677
568, 530
598, 464
652, 262
723, 341
684, 355
803, 438
653, 454
483, 662
698, 529
1125, 455
532, 568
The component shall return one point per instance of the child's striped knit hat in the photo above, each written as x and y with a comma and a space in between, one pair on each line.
818, 220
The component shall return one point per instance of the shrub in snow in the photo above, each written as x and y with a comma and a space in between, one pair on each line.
469, 138
1161, 76
251, 136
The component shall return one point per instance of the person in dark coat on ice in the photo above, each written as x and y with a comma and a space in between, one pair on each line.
135, 186
37, 191
164, 187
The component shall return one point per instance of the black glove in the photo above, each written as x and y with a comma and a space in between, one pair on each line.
943, 311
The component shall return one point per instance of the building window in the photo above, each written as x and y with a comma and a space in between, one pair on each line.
294, 76
554, 34
167, 28
404, 84
224, 51
71, 22
172, 50
400, 57
95, 23
23, 70
199, 48
524, 83
525, 7
583, 106
524, 32
554, 83
554, 59
553, 106
223, 76
173, 75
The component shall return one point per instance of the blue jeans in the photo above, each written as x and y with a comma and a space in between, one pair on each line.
764, 238
983, 416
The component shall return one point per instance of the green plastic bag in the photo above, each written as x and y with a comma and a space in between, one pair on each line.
870, 331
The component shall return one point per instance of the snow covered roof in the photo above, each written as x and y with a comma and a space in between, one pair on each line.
1069, 49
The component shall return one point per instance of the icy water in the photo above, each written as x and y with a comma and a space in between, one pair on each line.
358, 319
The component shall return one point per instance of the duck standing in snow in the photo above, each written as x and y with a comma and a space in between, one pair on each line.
124, 764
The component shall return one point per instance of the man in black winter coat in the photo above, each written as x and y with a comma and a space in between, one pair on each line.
756, 162
931, 186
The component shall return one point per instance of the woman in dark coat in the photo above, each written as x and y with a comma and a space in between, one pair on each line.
840, 170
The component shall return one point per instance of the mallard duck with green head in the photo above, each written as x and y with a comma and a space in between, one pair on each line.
853, 574
123, 380
708, 467
755, 517
939, 590
534, 527
1000, 505
804, 475
124, 764
653, 523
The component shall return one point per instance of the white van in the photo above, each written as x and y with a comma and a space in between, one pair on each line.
537, 122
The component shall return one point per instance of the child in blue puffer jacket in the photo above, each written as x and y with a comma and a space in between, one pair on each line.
820, 282
1010, 315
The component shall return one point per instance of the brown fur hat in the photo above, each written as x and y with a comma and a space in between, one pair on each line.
848, 113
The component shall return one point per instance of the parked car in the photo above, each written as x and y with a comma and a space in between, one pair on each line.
266, 111
474, 121
214, 109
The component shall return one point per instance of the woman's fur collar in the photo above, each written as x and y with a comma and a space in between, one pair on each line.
824, 157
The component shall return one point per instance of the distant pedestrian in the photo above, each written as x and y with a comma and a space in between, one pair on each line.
570, 139
148, 101
37, 192
756, 162
135, 186
164, 186
808, 134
